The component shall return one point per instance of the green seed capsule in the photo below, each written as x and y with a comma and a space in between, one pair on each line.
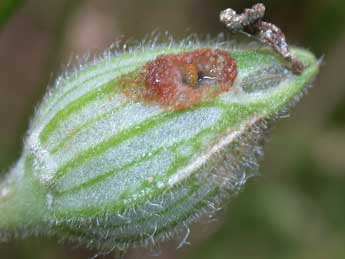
115, 159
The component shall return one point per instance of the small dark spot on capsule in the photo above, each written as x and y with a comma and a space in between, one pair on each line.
178, 81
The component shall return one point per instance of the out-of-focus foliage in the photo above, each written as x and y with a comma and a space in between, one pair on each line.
7, 8
295, 209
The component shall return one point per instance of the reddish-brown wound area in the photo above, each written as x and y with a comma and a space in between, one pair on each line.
178, 81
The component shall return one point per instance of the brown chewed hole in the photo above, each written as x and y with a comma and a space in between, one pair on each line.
178, 81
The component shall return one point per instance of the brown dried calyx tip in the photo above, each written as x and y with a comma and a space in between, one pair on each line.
250, 22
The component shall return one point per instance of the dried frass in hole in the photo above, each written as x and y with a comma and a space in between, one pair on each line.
133, 147
182, 80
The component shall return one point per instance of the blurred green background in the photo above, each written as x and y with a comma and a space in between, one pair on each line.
295, 209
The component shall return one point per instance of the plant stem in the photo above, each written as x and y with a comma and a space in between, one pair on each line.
22, 202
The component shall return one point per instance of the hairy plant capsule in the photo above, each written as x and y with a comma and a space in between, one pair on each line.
132, 149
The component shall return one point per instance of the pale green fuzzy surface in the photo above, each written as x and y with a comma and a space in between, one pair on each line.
105, 171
